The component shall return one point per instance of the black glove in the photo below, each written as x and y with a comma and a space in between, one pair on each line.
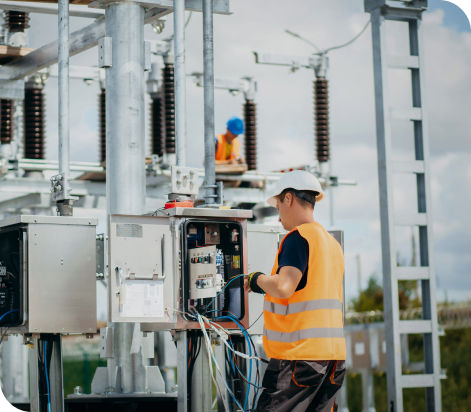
252, 278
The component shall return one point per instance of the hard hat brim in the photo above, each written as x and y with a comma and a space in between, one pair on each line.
272, 199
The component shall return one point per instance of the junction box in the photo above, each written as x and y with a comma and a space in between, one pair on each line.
164, 268
47, 274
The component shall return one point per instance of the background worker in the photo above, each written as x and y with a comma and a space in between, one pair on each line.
303, 316
227, 149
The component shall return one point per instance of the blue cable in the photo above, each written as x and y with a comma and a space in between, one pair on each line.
225, 286
256, 387
250, 353
47, 378
7, 313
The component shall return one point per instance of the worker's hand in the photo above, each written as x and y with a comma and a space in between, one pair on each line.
252, 282
246, 285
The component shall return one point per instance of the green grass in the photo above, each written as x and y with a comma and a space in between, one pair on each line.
80, 373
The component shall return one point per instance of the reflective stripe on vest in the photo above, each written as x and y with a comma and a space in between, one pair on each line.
303, 334
299, 307
309, 324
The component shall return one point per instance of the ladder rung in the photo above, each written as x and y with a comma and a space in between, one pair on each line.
415, 326
416, 166
417, 381
413, 113
412, 272
418, 219
403, 62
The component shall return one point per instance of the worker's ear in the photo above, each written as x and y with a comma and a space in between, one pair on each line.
289, 198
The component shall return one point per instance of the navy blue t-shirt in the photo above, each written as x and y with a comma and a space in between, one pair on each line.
295, 252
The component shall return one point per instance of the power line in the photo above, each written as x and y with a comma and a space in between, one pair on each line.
325, 51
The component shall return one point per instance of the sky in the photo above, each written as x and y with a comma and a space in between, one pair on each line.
285, 117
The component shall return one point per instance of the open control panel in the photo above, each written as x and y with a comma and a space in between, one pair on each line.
212, 267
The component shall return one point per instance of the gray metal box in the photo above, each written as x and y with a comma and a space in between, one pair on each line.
58, 274
145, 265
263, 242
142, 265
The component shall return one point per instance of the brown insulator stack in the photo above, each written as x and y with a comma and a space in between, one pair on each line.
16, 20
6, 121
250, 120
102, 120
34, 123
158, 142
321, 118
168, 76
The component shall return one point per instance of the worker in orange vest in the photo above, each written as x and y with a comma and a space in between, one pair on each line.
303, 310
227, 150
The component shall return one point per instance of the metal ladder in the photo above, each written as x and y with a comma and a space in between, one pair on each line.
409, 12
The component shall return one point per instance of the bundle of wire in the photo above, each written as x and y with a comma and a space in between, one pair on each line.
194, 346
225, 338
44, 356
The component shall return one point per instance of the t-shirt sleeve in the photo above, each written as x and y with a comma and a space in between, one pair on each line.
295, 252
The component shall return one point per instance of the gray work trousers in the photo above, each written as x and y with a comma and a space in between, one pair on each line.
299, 386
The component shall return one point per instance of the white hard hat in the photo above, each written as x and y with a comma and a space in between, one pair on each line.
298, 180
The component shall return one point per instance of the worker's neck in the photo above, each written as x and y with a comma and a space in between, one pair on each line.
229, 137
303, 216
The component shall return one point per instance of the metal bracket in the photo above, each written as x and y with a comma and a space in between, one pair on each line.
57, 189
184, 181
105, 54
412, 5
147, 60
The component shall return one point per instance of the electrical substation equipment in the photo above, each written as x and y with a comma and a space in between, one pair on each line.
34, 122
164, 268
248, 87
319, 63
47, 274
15, 24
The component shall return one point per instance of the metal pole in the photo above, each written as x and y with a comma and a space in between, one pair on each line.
64, 138
182, 370
180, 79
125, 153
208, 76
53, 363
201, 383
52, 384
14, 371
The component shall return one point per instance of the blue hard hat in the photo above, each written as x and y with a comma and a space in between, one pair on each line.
235, 125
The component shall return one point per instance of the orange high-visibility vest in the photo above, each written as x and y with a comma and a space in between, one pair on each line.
221, 148
309, 324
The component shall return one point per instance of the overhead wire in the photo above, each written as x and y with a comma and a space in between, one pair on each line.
328, 49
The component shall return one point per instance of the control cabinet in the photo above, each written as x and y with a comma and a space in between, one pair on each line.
164, 268
213, 284
47, 274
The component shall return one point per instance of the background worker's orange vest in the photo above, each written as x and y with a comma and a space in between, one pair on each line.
309, 324
221, 148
